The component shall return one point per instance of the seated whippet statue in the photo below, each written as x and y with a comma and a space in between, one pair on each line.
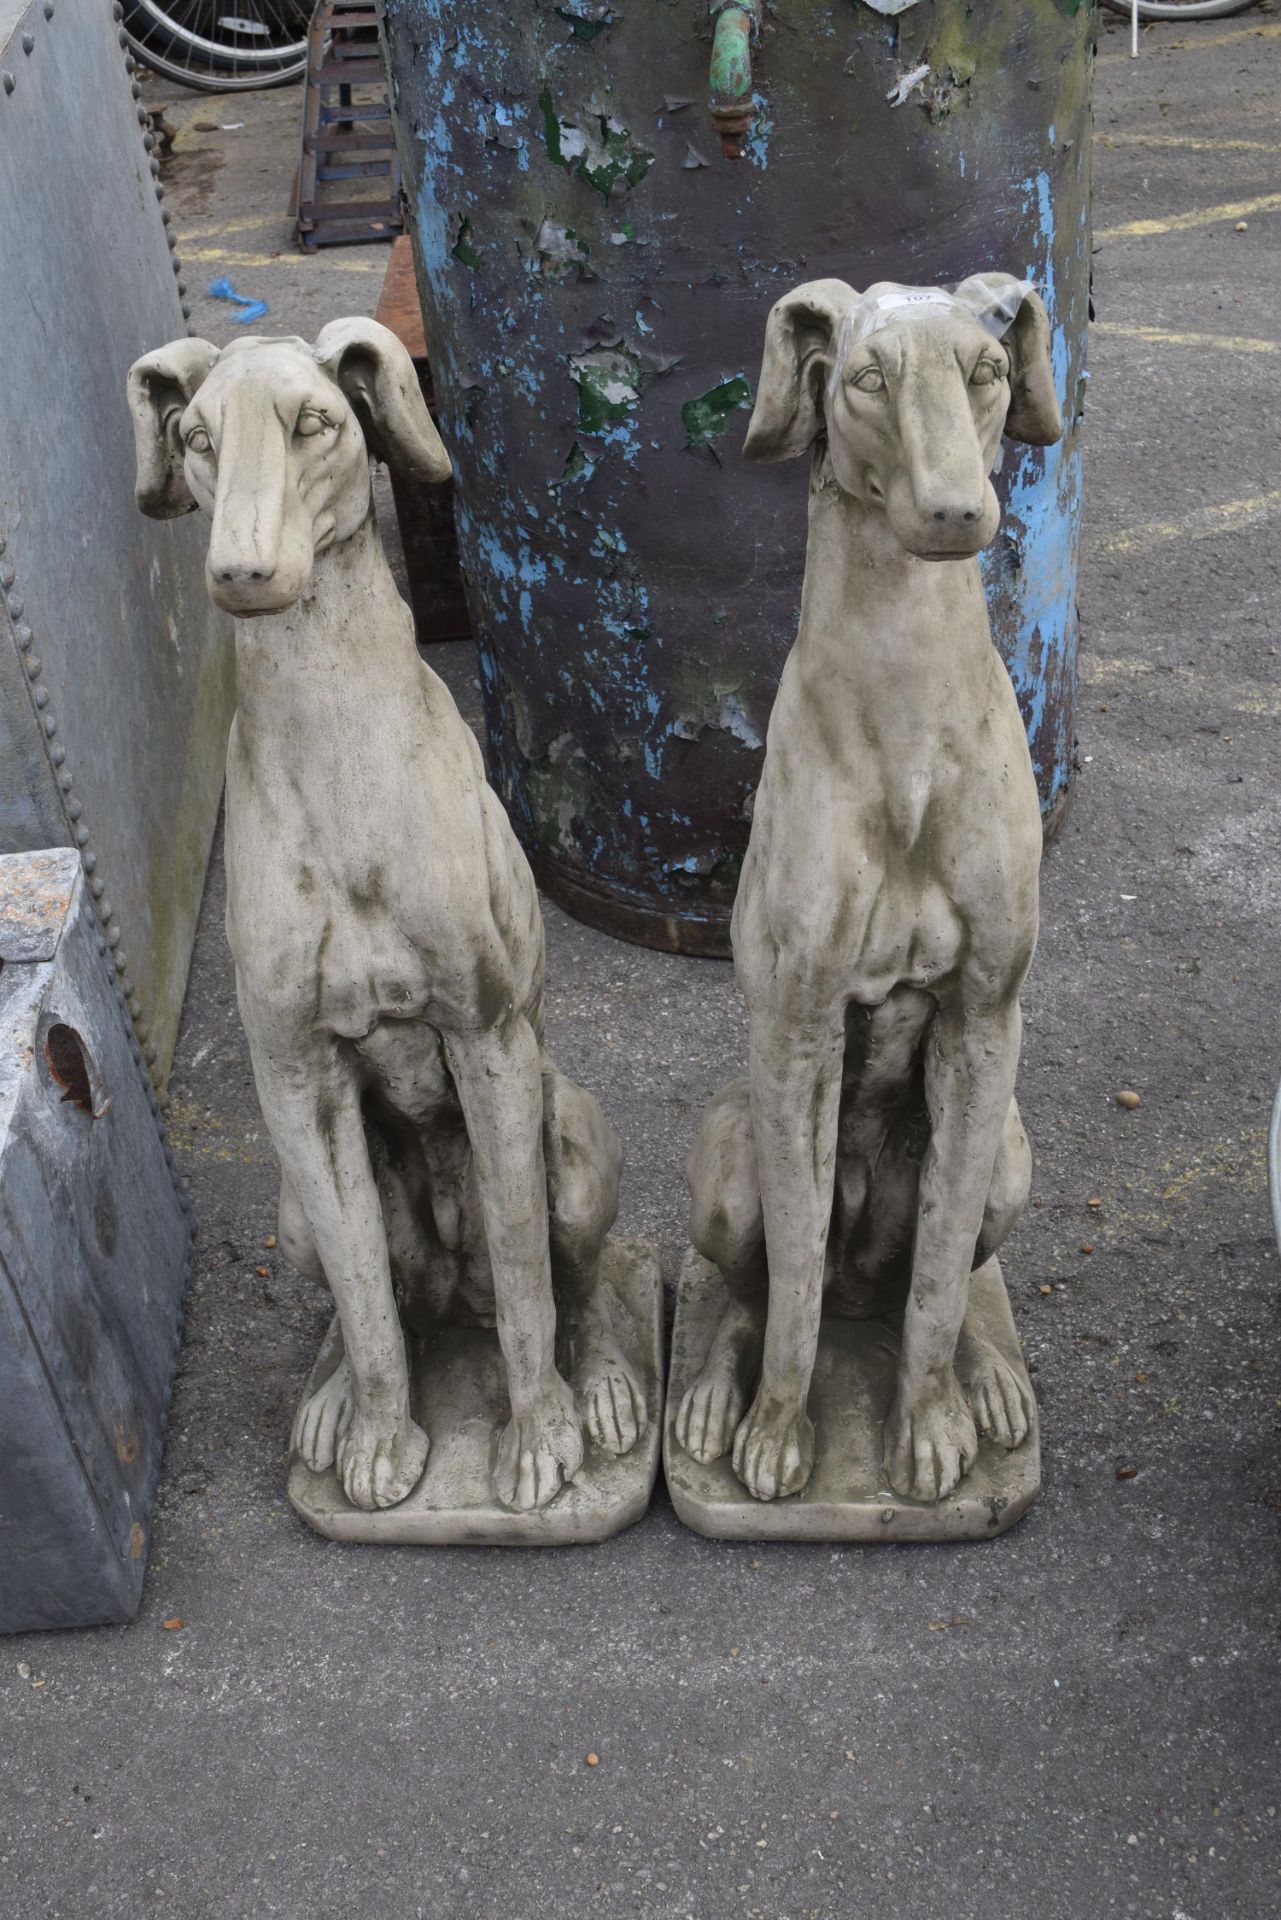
873, 1160
436, 1169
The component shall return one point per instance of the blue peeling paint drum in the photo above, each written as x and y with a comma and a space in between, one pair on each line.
595, 278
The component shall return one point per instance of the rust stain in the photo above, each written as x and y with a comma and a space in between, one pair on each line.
35, 898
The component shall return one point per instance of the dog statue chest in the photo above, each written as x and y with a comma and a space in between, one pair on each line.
382, 974
339, 960
867, 909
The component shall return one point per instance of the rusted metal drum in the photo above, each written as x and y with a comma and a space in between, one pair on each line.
606, 202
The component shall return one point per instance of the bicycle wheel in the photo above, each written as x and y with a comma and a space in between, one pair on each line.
1181, 9
221, 46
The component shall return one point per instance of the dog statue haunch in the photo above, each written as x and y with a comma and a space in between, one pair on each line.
887, 911
436, 1169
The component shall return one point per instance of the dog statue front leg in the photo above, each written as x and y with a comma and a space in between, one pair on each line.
498, 1074
359, 1421
795, 1074
971, 1061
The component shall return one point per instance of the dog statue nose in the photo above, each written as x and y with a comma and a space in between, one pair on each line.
239, 576
964, 514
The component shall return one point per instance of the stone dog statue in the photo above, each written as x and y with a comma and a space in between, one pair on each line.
385, 927
887, 911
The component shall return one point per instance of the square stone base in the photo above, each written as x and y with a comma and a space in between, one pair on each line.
459, 1389
847, 1497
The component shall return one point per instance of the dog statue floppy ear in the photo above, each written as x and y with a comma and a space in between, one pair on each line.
1017, 311
800, 342
374, 370
160, 386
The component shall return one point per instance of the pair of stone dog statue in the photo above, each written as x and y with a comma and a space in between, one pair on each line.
844, 1360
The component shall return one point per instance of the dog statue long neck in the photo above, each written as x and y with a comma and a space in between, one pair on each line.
901, 630
344, 650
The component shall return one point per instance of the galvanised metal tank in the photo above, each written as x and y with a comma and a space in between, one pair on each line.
606, 201
116, 672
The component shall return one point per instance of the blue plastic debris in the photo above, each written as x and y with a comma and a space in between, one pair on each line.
252, 309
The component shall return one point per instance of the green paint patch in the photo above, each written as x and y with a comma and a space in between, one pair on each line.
553, 126
463, 249
585, 21
709, 416
731, 67
608, 381
597, 147
576, 472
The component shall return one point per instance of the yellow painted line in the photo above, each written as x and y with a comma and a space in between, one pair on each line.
192, 1133
221, 256
182, 130
1234, 696
1192, 142
1194, 217
1223, 342
1231, 516
1154, 43
1161, 1202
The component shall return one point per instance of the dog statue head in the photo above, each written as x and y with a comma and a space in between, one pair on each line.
272, 438
911, 388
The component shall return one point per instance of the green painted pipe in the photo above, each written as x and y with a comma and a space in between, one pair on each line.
731, 75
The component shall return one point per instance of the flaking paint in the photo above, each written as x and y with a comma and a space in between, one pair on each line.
622, 568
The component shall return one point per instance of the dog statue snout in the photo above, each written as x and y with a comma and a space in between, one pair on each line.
247, 584
257, 562
243, 552
241, 589
940, 502
946, 522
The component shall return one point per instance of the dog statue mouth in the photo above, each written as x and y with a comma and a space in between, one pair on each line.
252, 602
244, 610
969, 551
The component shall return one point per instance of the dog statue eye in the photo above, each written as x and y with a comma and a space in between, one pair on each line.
198, 441
869, 380
310, 423
985, 374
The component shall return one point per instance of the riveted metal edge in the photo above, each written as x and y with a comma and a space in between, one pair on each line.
26, 40
149, 143
115, 960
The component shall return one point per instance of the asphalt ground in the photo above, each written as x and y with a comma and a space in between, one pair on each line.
1080, 1719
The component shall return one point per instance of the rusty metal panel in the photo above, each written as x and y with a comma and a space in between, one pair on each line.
95, 1241
595, 274
115, 672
